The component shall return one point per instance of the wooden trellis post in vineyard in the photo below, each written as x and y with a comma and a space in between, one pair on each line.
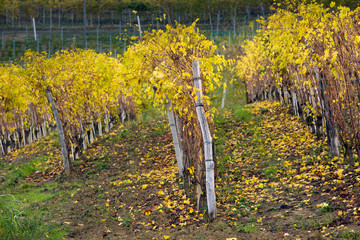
175, 131
65, 155
208, 151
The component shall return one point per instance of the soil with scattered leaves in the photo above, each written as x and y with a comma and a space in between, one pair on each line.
275, 180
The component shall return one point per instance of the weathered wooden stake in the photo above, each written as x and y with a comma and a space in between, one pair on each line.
138, 20
176, 138
2, 147
23, 130
49, 48
208, 152
331, 129
224, 96
34, 26
64, 150
100, 127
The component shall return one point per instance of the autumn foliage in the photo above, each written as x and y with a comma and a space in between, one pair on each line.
87, 91
309, 59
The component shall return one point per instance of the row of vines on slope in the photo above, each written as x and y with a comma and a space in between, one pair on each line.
87, 89
159, 67
309, 58
87, 93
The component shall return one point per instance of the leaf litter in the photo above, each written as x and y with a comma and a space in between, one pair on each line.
275, 180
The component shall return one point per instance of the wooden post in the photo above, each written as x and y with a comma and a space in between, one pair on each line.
92, 133
2, 146
224, 96
60, 129
331, 129
84, 136
123, 117
23, 130
49, 48
229, 39
72, 151
33, 20
138, 20
176, 138
100, 127
110, 42
44, 128
208, 152
107, 122
295, 102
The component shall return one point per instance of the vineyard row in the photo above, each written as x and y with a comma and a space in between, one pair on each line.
309, 58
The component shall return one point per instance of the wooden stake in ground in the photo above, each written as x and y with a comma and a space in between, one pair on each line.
331, 129
60, 129
224, 95
208, 152
33, 20
138, 20
176, 139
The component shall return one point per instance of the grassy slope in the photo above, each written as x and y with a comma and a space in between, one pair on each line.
275, 180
